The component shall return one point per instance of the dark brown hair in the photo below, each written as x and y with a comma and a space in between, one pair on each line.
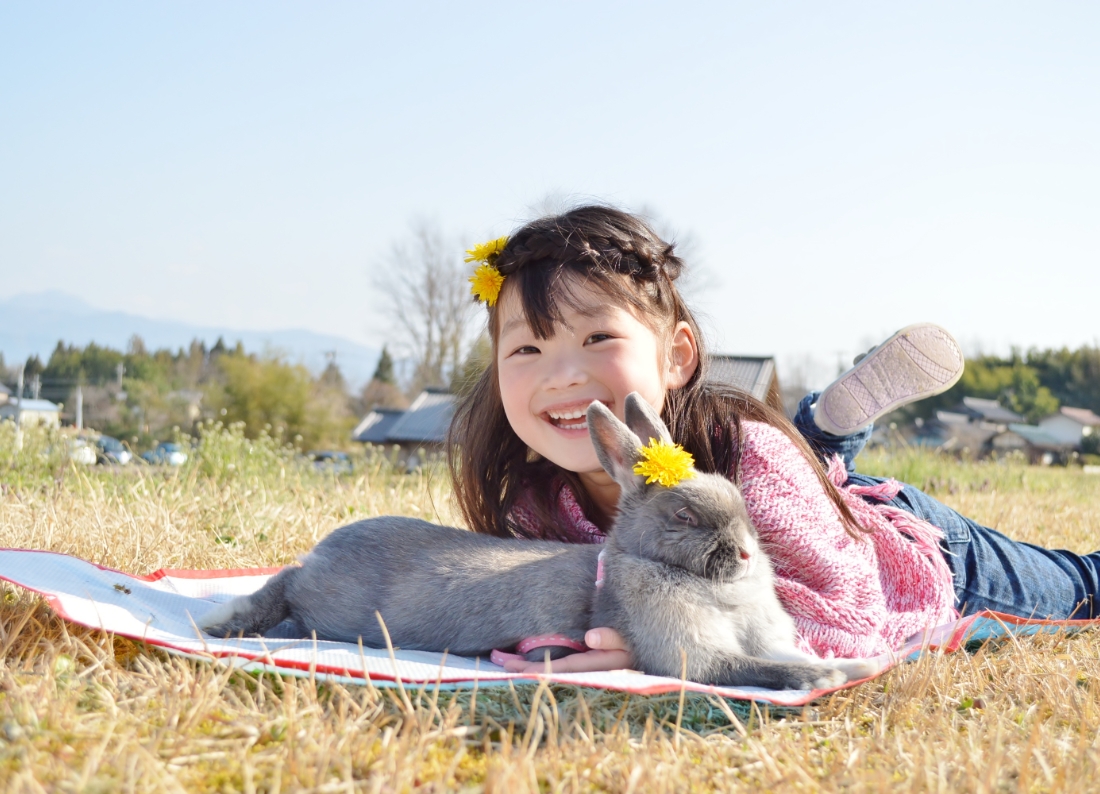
617, 253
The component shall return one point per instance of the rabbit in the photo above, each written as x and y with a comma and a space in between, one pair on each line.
682, 569
437, 588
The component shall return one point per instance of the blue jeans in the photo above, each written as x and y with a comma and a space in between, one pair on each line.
990, 571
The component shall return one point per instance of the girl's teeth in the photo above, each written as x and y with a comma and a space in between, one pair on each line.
561, 416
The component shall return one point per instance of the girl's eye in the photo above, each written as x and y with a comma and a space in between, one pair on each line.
598, 337
685, 515
526, 350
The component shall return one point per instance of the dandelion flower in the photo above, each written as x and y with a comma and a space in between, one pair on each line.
665, 463
486, 252
485, 284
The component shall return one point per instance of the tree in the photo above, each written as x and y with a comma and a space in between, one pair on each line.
382, 390
270, 391
1073, 376
332, 377
383, 373
424, 285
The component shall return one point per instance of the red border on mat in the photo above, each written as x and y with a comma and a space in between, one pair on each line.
958, 636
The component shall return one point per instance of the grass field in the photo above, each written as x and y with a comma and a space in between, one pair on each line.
82, 711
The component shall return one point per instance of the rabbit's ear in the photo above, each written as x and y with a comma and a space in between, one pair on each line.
616, 446
645, 422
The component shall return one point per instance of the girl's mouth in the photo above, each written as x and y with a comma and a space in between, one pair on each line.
570, 419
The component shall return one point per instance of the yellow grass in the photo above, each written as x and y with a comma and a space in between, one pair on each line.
81, 711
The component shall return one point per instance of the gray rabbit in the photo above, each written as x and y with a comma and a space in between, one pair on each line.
682, 570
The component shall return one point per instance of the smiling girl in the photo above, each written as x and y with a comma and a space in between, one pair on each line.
584, 307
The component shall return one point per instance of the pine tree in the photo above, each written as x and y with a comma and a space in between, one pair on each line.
383, 373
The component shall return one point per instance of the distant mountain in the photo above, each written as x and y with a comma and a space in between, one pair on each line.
33, 323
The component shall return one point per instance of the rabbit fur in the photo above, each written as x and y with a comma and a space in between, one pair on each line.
683, 571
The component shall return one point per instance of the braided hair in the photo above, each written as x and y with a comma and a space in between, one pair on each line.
549, 261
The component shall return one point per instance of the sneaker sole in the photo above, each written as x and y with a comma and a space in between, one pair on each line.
918, 361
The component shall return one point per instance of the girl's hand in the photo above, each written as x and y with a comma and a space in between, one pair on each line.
608, 652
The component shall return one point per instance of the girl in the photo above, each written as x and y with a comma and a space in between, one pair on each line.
582, 307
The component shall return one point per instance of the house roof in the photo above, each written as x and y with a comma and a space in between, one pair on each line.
990, 410
427, 419
376, 425
36, 406
1082, 416
1037, 437
752, 374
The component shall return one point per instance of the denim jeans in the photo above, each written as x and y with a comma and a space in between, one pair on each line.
990, 571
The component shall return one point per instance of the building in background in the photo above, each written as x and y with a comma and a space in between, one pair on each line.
1071, 425
34, 412
755, 375
418, 434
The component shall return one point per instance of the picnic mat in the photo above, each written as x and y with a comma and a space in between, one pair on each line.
162, 608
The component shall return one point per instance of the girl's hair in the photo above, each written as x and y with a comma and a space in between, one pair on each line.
604, 249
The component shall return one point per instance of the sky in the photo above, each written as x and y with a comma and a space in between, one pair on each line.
839, 169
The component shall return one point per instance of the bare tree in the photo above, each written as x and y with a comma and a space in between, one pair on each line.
426, 295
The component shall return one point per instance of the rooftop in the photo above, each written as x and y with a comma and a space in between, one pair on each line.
990, 410
39, 406
1081, 415
427, 419
1036, 436
376, 425
752, 374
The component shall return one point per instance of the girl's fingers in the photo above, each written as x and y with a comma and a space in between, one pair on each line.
587, 662
605, 639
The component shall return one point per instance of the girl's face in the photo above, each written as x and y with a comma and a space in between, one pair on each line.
600, 352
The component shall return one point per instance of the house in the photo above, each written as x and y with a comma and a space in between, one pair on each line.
1037, 444
970, 428
419, 433
989, 413
5, 394
1071, 425
375, 427
756, 375
981, 428
34, 412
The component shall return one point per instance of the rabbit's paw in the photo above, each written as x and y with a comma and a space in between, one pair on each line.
830, 677
818, 677
857, 669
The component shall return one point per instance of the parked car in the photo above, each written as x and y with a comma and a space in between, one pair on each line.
165, 453
111, 450
335, 462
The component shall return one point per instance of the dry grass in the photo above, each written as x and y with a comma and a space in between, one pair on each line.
83, 711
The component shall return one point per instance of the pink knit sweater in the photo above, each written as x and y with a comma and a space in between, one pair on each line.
849, 597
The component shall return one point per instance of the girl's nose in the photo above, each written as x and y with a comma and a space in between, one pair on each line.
564, 372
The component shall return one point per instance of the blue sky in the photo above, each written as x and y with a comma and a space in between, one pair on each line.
843, 169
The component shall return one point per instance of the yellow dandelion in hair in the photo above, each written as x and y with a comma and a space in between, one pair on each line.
665, 463
485, 284
486, 252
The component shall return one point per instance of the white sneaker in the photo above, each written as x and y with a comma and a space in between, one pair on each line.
917, 362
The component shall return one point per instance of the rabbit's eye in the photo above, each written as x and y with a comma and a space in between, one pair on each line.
687, 516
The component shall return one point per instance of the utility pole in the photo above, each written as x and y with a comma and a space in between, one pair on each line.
119, 370
79, 408
36, 386
19, 409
